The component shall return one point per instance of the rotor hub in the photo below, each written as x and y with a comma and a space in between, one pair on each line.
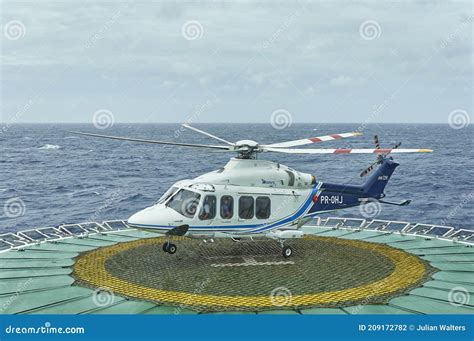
246, 143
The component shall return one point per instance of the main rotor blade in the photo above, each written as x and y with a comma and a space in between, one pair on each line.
310, 140
343, 151
152, 141
207, 134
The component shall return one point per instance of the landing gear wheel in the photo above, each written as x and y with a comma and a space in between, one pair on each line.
287, 251
171, 248
166, 246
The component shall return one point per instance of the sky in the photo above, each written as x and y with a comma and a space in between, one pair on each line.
236, 61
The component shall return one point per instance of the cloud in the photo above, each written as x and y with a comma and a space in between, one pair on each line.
341, 81
253, 56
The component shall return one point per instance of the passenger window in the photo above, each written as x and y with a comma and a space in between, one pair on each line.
227, 207
246, 207
208, 209
263, 207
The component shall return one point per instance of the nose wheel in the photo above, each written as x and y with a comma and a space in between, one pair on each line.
169, 247
287, 251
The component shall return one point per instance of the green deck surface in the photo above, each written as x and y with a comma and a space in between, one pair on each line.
61, 247
361, 235
112, 237
455, 276
278, 312
323, 311
29, 264
389, 238
454, 266
315, 230
420, 241
375, 309
87, 242
13, 304
38, 279
77, 306
34, 272
9, 286
138, 234
428, 305
462, 257
443, 295
126, 307
30, 254
231, 313
447, 250
449, 285
167, 310
335, 233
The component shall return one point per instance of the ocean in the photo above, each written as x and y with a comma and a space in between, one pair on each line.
49, 176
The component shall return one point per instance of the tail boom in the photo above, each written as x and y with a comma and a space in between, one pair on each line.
336, 196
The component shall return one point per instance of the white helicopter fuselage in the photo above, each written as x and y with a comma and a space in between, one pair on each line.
251, 197
246, 197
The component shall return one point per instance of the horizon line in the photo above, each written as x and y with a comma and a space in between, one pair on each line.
197, 123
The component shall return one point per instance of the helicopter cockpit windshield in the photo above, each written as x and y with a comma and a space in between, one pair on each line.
185, 202
167, 195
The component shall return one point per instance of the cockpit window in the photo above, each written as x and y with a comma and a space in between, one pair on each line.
167, 195
185, 202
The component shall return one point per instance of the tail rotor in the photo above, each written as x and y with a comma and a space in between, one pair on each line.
380, 157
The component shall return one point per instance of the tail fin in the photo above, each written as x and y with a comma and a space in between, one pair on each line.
378, 180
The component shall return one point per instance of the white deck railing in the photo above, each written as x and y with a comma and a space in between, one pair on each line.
18, 240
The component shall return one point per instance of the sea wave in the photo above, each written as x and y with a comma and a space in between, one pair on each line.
62, 185
50, 146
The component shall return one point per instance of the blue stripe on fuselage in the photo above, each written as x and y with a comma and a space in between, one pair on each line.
254, 228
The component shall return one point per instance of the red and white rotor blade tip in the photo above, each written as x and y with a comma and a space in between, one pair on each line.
310, 140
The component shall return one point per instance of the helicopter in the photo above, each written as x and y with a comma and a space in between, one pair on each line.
251, 197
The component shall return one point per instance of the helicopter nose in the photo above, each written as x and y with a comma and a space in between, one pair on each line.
140, 218
135, 219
